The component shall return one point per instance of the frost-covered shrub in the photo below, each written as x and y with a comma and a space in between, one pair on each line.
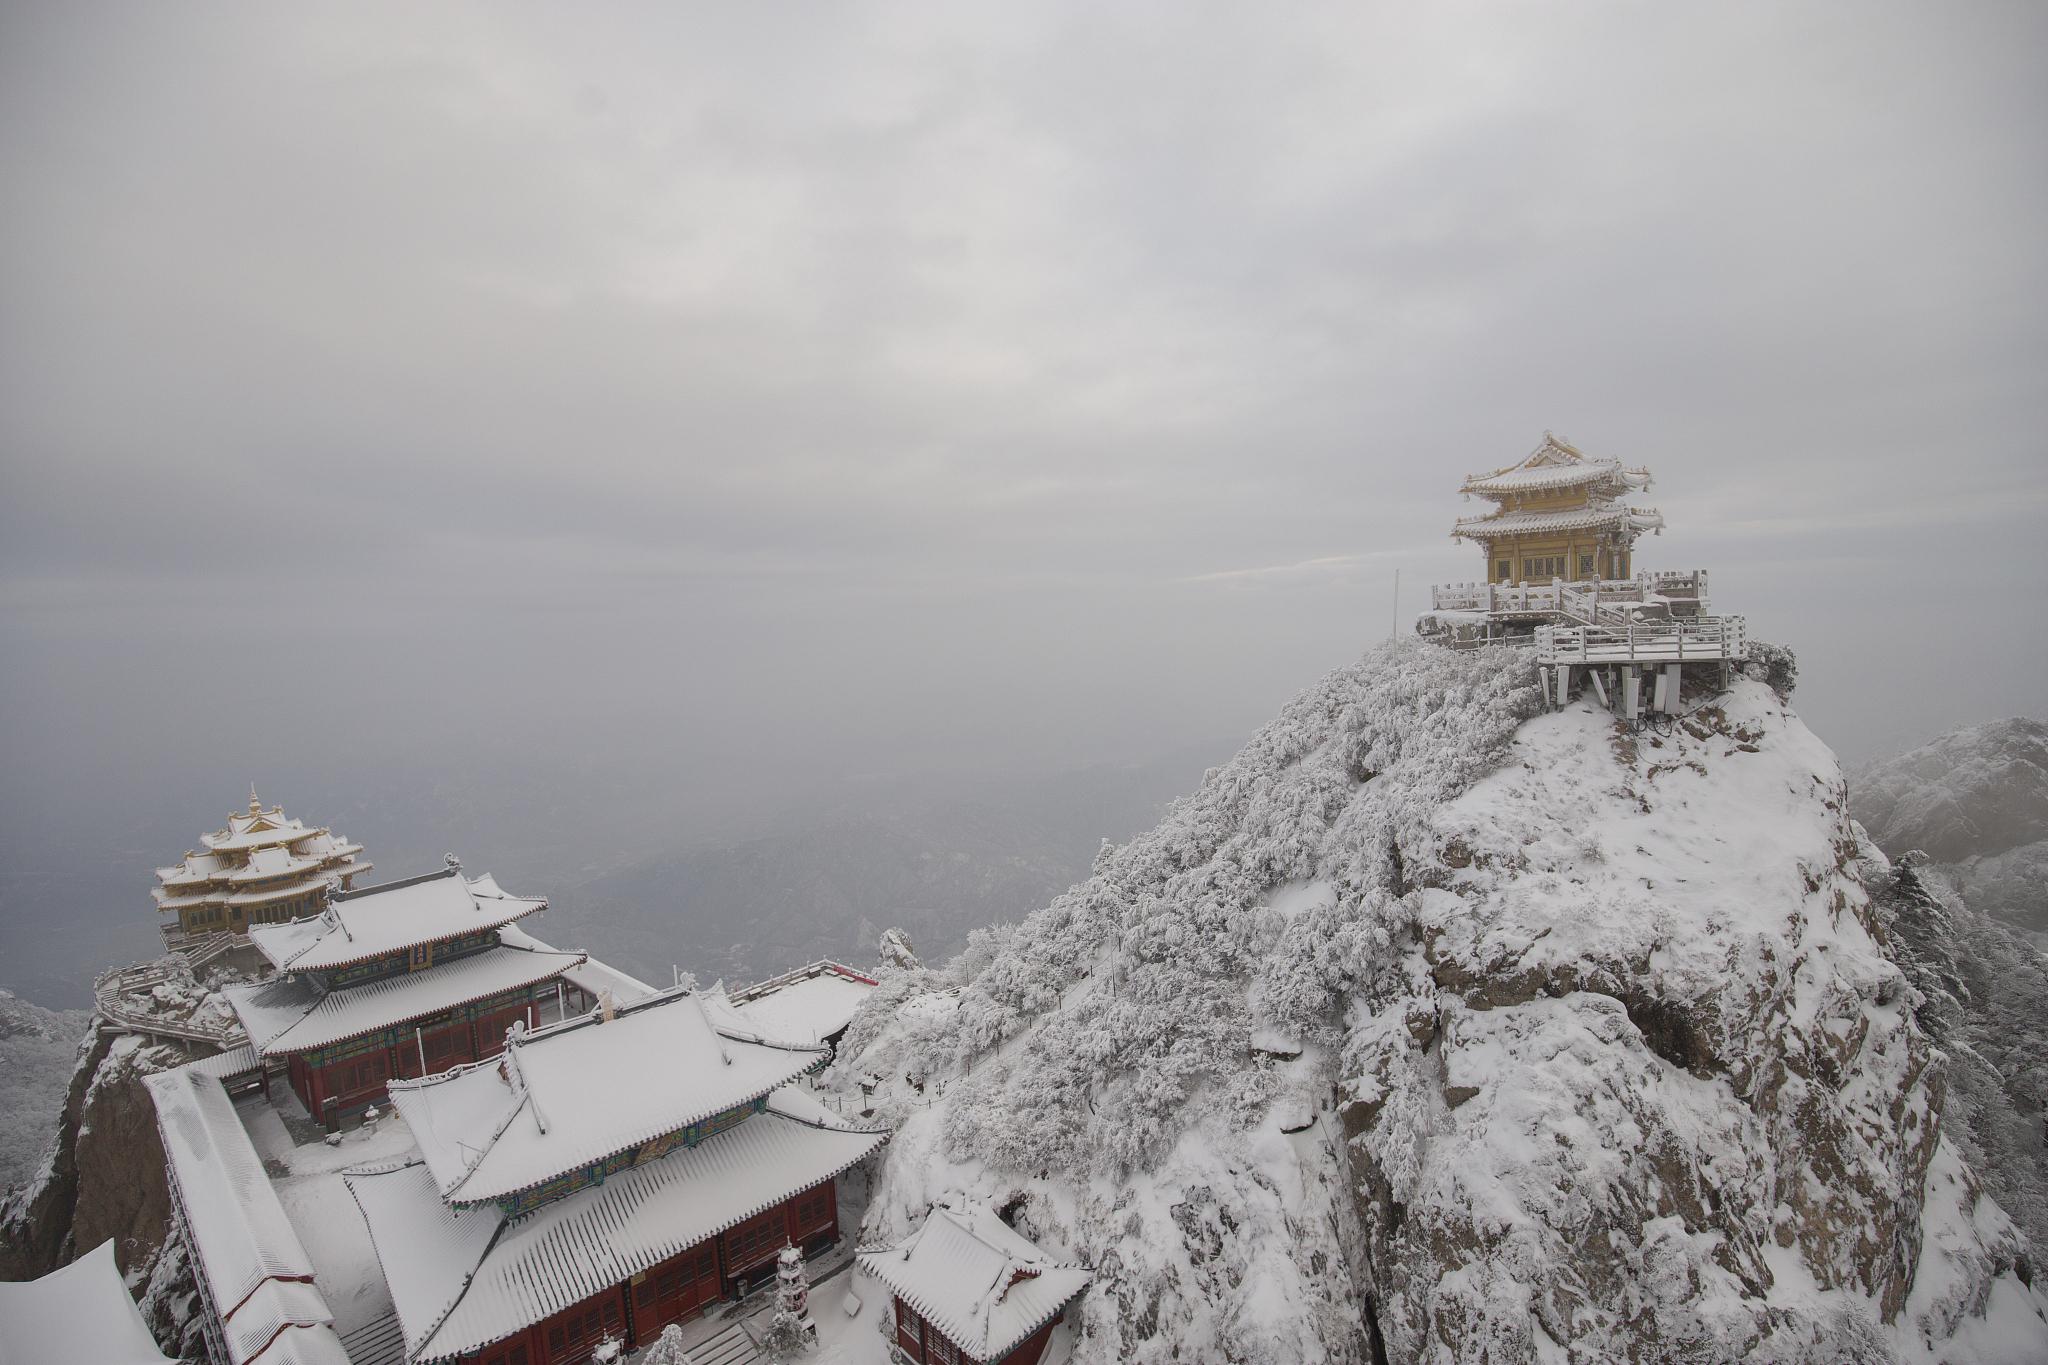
1773, 665
667, 1349
1160, 961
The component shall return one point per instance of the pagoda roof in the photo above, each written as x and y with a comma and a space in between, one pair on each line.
974, 1278
259, 828
1599, 516
461, 1278
196, 869
254, 1268
1557, 464
219, 892
80, 1311
264, 894
374, 921
585, 1089
320, 849
294, 1014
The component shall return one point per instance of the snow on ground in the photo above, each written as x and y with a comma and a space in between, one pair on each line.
322, 1211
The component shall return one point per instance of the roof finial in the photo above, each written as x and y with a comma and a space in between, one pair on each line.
255, 806
454, 863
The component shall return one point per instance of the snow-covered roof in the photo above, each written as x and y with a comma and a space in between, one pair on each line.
236, 1061
376, 920
1601, 514
584, 1089
1556, 464
301, 1344
261, 846
255, 1270
263, 896
80, 1312
591, 976
974, 1278
459, 1282
195, 870
262, 834
807, 1005
293, 1014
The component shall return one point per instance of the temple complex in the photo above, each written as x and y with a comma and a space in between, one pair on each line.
261, 869
603, 1178
967, 1289
396, 981
1559, 546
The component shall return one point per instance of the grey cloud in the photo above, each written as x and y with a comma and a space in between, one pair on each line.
753, 397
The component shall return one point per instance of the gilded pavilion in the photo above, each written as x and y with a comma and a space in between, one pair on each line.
261, 869
1559, 577
1557, 515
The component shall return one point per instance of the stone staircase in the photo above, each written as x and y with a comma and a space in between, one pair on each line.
376, 1343
731, 1347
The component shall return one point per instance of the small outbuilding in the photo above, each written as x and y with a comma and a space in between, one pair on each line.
969, 1290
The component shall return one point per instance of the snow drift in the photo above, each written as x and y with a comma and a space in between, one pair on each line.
1434, 1028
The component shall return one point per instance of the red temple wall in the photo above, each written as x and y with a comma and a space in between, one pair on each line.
363, 1079
673, 1291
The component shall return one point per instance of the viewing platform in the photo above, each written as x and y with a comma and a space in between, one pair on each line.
1601, 602
1560, 519
1651, 618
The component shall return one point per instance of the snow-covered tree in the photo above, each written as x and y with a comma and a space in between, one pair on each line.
895, 950
667, 1349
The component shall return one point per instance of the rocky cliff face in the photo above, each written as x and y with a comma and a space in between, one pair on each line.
104, 1177
1435, 1029
38, 1053
101, 1174
1983, 1000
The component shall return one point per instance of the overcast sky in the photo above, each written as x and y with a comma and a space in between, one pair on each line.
761, 397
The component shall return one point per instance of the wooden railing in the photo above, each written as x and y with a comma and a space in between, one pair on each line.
1608, 601
1703, 640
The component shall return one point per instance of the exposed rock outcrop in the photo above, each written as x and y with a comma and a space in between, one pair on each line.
105, 1175
35, 1223
38, 1056
1984, 1003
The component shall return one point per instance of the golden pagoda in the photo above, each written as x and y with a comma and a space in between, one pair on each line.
261, 869
1560, 580
1558, 515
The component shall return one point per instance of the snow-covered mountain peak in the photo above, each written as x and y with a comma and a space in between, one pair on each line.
1434, 1028
1976, 802
1973, 792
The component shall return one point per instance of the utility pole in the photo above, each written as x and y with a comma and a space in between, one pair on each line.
1395, 631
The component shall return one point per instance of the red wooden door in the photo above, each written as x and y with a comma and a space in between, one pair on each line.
755, 1242
675, 1290
572, 1335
